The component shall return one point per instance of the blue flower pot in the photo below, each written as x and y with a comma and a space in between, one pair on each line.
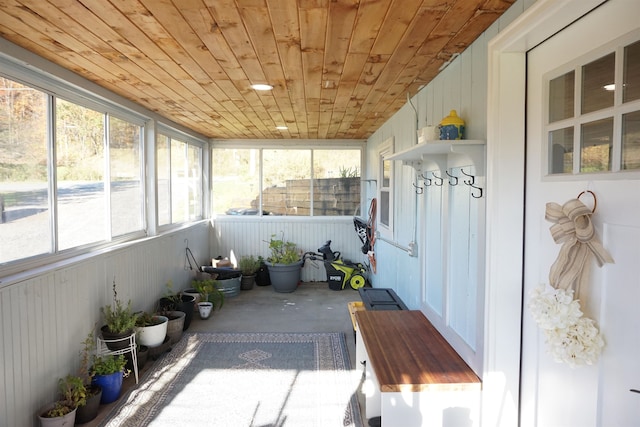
111, 385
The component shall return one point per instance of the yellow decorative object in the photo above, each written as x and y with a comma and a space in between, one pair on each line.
452, 127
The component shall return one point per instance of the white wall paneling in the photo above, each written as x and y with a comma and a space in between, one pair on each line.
250, 236
44, 319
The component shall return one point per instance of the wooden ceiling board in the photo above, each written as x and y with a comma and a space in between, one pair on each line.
340, 68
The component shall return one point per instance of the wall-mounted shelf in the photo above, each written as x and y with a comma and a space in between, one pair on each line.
443, 154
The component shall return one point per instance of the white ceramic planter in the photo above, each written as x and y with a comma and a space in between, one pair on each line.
66, 420
153, 336
205, 308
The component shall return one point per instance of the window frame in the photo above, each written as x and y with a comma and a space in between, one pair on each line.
174, 134
260, 145
579, 119
385, 230
109, 106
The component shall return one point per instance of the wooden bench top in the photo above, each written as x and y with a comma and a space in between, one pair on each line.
407, 353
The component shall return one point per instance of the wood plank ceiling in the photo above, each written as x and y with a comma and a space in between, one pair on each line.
339, 68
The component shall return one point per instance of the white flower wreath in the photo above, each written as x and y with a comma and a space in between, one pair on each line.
571, 337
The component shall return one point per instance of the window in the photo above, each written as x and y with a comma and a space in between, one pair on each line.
603, 133
25, 198
385, 191
285, 181
70, 173
336, 185
179, 171
236, 181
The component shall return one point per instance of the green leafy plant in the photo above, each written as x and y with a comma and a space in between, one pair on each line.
86, 358
73, 394
108, 364
147, 319
209, 292
350, 172
73, 390
282, 251
60, 409
173, 299
119, 318
248, 265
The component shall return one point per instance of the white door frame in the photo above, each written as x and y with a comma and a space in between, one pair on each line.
505, 199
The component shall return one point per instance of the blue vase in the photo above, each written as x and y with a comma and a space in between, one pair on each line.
111, 385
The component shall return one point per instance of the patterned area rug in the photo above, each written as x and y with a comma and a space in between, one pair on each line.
254, 379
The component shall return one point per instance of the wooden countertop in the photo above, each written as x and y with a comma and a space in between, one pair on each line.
407, 353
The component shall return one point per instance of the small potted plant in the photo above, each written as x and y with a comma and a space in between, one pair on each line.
249, 265
175, 301
284, 264
63, 412
210, 296
108, 372
262, 275
151, 329
89, 410
168, 307
120, 321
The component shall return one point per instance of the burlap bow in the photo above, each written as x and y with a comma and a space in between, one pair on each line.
573, 228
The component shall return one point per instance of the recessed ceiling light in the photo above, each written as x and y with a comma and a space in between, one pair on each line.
282, 127
261, 87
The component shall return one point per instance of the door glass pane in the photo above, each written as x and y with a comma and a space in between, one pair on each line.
286, 182
385, 207
561, 96
631, 140
595, 146
127, 201
336, 184
597, 84
24, 197
163, 164
561, 150
386, 173
82, 207
631, 79
235, 181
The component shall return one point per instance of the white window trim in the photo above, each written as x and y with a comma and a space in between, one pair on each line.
386, 150
172, 133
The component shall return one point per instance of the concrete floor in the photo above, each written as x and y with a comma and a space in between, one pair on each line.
312, 307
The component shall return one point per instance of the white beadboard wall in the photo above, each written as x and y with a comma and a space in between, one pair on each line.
44, 319
250, 236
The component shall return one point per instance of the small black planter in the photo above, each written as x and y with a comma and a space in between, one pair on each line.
143, 356
89, 411
118, 345
247, 282
262, 276
185, 305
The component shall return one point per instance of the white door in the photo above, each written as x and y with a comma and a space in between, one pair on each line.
575, 147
